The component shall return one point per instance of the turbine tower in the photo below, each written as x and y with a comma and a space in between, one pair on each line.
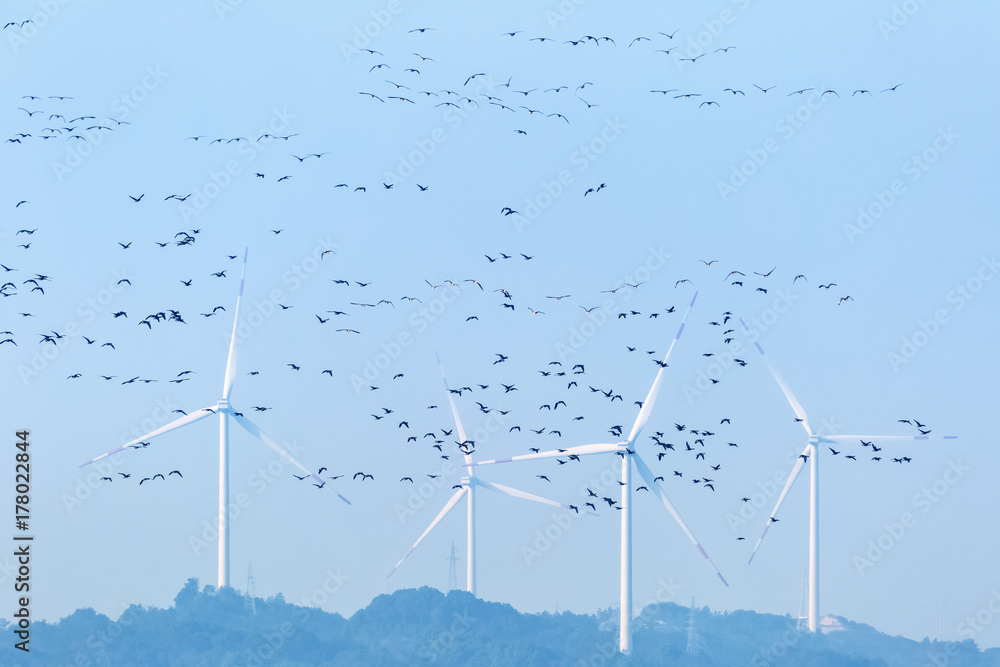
630, 456
469, 483
224, 410
811, 454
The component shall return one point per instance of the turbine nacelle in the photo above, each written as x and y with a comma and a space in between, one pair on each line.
627, 450
223, 407
811, 453
469, 484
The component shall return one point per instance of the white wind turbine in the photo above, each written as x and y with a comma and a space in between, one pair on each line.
627, 451
811, 453
224, 410
469, 484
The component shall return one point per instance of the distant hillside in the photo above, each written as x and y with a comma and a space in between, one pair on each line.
427, 627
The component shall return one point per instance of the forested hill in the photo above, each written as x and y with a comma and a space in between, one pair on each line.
425, 626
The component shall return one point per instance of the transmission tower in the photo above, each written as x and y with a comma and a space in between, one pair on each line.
941, 629
693, 640
249, 596
803, 622
452, 570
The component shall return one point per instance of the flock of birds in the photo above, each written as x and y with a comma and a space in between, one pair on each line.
357, 303
419, 79
154, 477
688, 454
414, 67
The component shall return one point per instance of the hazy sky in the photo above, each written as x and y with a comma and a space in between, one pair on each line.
887, 194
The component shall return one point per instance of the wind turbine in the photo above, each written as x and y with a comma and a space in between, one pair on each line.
627, 451
469, 484
224, 410
811, 453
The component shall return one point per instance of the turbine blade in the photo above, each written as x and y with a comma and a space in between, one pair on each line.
517, 494
176, 424
796, 406
581, 450
799, 462
255, 431
650, 479
647, 405
454, 409
227, 387
444, 511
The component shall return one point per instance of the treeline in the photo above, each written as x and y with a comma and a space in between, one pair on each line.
426, 627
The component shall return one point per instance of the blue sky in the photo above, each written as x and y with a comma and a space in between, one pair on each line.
887, 195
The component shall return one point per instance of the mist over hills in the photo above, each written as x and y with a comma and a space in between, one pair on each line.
424, 626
